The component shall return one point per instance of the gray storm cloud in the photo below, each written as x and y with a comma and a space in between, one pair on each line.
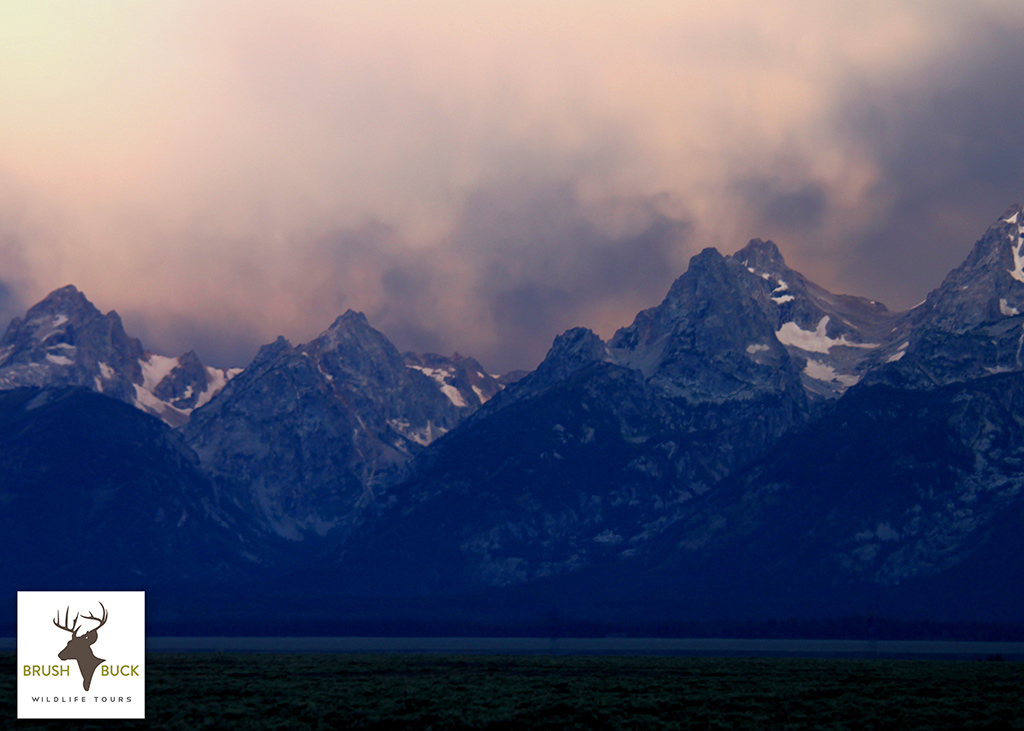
479, 177
950, 149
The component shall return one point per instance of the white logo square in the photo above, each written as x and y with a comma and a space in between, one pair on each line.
81, 654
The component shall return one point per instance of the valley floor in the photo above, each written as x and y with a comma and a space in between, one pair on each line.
429, 691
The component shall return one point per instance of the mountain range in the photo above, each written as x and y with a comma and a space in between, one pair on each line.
754, 447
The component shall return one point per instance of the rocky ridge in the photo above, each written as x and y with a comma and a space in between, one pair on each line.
595, 457
779, 446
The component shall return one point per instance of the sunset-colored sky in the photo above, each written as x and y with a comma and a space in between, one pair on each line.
480, 176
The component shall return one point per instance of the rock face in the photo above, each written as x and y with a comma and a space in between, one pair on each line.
308, 435
65, 341
709, 341
973, 324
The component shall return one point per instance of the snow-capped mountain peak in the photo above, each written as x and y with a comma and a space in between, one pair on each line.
836, 337
971, 324
988, 285
351, 408
770, 318
65, 340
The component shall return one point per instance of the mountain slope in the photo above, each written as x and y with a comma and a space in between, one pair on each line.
888, 494
97, 493
588, 458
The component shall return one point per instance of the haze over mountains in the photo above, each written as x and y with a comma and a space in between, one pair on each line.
753, 447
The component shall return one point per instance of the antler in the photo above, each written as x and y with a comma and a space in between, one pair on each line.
73, 629
101, 621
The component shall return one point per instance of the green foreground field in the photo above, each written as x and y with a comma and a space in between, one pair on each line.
341, 691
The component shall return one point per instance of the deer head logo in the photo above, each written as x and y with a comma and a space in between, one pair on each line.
79, 647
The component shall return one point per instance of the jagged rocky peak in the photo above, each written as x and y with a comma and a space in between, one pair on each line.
707, 275
794, 298
987, 286
761, 256
570, 352
351, 349
579, 345
836, 337
742, 315
972, 325
63, 316
780, 291
351, 346
349, 324
272, 350
64, 340
349, 330
710, 339
66, 300
686, 300
350, 408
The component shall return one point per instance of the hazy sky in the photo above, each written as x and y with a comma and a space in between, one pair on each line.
480, 176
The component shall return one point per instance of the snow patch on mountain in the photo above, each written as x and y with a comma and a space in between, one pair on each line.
453, 395
156, 368
423, 436
817, 340
900, 352
823, 372
1017, 248
145, 400
781, 299
45, 327
440, 377
216, 379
